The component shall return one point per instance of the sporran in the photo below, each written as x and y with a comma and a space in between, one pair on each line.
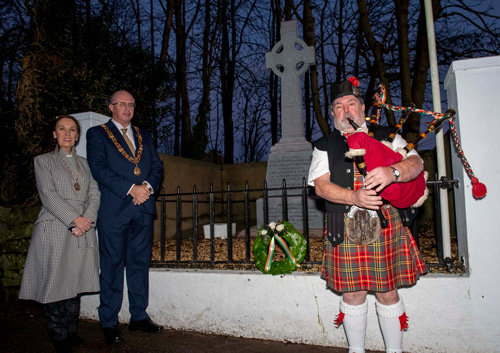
362, 226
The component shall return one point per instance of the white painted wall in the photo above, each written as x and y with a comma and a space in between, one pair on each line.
448, 313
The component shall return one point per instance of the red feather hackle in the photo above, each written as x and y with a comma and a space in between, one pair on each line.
403, 320
339, 319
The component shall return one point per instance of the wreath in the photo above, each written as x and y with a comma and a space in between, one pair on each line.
292, 242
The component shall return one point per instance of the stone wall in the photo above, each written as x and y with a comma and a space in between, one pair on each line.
188, 173
16, 225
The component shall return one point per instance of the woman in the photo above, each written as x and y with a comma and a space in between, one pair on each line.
62, 259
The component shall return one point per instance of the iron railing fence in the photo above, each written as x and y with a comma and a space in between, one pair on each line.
246, 200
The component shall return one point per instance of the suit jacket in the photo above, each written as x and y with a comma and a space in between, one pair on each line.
59, 265
115, 173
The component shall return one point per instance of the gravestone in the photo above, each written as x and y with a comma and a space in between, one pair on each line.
290, 158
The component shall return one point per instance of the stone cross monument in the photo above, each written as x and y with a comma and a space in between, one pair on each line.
289, 59
290, 158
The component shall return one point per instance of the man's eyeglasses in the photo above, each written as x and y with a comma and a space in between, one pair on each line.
123, 104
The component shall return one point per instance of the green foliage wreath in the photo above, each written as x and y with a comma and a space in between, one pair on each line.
296, 243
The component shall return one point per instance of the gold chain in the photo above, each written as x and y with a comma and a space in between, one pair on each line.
122, 150
76, 184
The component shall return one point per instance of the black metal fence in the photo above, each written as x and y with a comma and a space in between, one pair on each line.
220, 208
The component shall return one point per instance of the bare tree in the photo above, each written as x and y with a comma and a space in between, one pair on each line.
255, 127
323, 59
232, 43
226, 69
377, 50
137, 13
200, 129
212, 59
168, 10
182, 96
274, 35
309, 38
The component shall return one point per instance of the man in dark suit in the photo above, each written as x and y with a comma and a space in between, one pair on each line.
124, 161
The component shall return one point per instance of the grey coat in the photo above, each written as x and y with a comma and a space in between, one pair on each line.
59, 265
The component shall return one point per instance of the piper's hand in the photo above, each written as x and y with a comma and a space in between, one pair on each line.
366, 199
379, 178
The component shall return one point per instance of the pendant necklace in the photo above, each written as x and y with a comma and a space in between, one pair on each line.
76, 184
137, 159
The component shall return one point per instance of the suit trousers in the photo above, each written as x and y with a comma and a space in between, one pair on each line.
61, 317
125, 241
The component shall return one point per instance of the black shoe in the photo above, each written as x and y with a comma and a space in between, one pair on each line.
146, 325
75, 340
62, 346
112, 334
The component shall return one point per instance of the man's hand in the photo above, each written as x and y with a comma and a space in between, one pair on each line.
366, 199
140, 194
379, 178
335, 193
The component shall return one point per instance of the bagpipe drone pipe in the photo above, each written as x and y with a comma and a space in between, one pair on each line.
370, 153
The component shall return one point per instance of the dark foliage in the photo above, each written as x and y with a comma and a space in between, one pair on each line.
71, 65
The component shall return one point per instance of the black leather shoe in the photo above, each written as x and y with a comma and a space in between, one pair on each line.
62, 346
146, 325
75, 340
112, 334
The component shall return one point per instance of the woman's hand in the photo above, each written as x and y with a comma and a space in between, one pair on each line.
78, 232
82, 226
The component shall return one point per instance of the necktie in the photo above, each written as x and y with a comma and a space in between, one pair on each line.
129, 143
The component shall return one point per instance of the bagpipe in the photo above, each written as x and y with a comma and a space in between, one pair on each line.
369, 153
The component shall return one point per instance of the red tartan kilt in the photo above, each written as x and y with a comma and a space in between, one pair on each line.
391, 262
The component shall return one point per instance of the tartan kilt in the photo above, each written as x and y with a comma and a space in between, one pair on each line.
391, 262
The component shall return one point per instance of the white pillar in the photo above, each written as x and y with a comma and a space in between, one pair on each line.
441, 159
87, 120
472, 89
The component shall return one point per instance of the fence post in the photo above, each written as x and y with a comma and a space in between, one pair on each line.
162, 225
195, 224
266, 204
178, 225
212, 219
284, 201
305, 218
229, 225
437, 219
247, 222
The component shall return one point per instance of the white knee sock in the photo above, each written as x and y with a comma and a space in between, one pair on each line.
392, 321
355, 325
